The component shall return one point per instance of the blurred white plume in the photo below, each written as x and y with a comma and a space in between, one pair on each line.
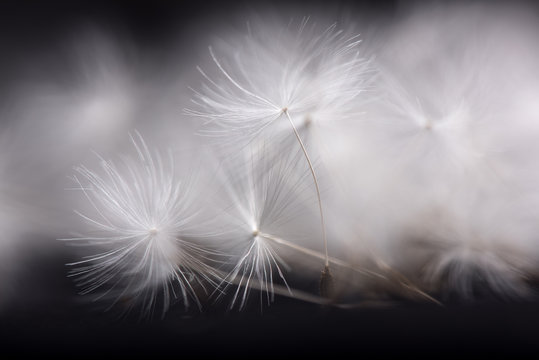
418, 138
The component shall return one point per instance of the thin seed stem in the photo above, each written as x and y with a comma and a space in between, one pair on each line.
382, 265
403, 280
319, 255
311, 167
310, 298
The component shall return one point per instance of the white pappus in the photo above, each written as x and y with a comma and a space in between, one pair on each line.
314, 73
142, 220
265, 214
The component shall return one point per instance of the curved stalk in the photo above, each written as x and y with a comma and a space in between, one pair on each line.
311, 167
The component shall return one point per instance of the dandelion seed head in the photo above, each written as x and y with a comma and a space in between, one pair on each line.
265, 193
302, 68
466, 259
138, 216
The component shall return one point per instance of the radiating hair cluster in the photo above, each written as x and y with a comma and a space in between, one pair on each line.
335, 162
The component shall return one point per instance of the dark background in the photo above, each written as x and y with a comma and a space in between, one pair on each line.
51, 319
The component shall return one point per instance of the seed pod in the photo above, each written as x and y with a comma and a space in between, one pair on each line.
326, 283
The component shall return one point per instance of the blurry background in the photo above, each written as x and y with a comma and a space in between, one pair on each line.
41, 312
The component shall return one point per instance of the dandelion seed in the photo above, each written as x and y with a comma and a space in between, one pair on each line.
264, 194
307, 75
315, 74
487, 256
140, 218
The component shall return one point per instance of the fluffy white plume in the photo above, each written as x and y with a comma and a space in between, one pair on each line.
446, 146
141, 221
317, 73
424, 144
265, 214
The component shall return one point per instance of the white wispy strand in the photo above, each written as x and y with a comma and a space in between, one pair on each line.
482, 249
141, 219
449, 159
317, 73
266, 194
431, 183
286, 72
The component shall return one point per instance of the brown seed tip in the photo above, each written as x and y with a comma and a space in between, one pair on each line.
326, 283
